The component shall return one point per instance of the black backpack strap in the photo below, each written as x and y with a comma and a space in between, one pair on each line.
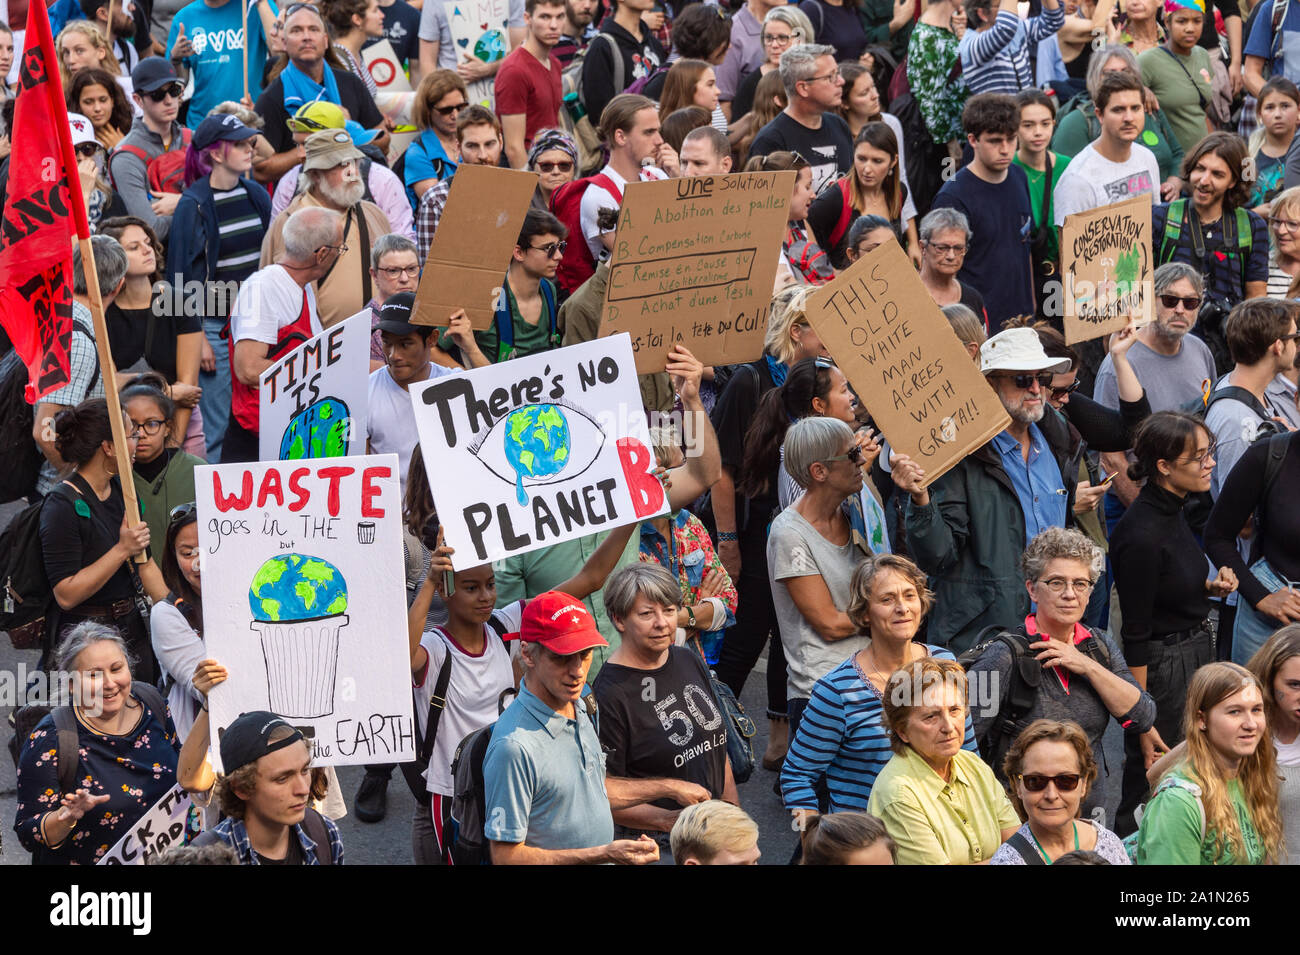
1277, 448
1025, 849
69, 744
313, 823
437, 703
1238, 393
152, 698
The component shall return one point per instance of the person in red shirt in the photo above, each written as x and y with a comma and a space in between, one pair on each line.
528, 84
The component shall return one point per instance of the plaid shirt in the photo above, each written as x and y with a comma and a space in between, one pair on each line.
429, 215
232, 832
82, 362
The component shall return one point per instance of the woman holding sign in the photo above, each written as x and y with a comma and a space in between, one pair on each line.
75, 804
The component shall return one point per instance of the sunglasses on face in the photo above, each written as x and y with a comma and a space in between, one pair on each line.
449, 110
173, 90
564, 165
551, 249
1036, 782
182, 511
86, 150
853, 455
1171, 302
1069, 389
1024, 382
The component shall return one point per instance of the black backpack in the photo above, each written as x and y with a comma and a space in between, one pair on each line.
27, 598
469, 846
1025, 679
25, 719
18, 450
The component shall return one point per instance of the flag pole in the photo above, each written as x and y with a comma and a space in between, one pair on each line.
108, 371
245, 45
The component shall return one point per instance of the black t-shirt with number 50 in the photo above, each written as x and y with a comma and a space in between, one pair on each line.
663, 723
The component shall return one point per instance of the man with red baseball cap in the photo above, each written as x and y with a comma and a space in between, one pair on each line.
544, 772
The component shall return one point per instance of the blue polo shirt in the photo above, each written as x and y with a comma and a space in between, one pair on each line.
1037, 481
544, 777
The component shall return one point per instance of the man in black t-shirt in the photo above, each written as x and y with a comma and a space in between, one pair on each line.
809, 125
659, 716
305, 40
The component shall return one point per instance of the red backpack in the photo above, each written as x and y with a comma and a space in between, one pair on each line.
566, 202
166, 171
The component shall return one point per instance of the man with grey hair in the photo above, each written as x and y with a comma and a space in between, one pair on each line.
331, 179
275, 313
968, 529
678, 731
85, 379
1174, 368
394, 267
809, 125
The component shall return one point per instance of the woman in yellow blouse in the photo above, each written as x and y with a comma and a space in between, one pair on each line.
940, 804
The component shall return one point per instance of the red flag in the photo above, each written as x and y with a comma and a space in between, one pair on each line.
44, 211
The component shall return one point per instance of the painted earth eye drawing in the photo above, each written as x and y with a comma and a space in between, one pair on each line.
538, 444
318, 431
299, 605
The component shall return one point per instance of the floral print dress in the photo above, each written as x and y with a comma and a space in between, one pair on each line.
689, 556
135, 770
931, 55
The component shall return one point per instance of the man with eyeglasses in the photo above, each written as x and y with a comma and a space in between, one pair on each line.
383, 186
274, 313
528, 93
809, 125
1174, 368
205, 41
970, 527
394, 268
527, 316
746, 51
150, 145
305, 78
331, 180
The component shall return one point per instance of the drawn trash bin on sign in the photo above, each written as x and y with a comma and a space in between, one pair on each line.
298, 604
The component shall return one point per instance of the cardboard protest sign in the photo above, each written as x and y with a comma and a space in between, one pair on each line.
537, 450
1106, 268
304, 601
158, 830
480, 29
902, 358
694, 262
312, 402
471, 250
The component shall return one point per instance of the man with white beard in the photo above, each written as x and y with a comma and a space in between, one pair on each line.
332, 181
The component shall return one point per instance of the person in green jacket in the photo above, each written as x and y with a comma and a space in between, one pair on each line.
1219, 805
164, 474
1077, 124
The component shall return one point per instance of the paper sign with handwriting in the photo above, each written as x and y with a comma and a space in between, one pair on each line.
304, 602
163, 827
901, 356
538, 450
694, 261
471, 250
313, 400
1107, 270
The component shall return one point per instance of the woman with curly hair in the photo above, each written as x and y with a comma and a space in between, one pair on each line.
97, 96
1219, 805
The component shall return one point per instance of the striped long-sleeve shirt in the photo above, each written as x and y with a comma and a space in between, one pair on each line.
996, 60
842, 735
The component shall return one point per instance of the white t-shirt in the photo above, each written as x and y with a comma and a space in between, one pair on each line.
473, 690
390, 424
1288, 754
1091, 181
269, 300
595, 198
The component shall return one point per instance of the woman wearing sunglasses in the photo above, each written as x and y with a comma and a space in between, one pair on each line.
1163, 584
1219, 805
1052, 770
1081, 675
435, 153
554, 157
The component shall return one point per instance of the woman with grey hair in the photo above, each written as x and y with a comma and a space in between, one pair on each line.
76, 802
783, 28
945, 236
1077, 124
1051, 666
677, 732
812, 551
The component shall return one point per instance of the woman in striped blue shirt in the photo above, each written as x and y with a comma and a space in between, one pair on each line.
841, 735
